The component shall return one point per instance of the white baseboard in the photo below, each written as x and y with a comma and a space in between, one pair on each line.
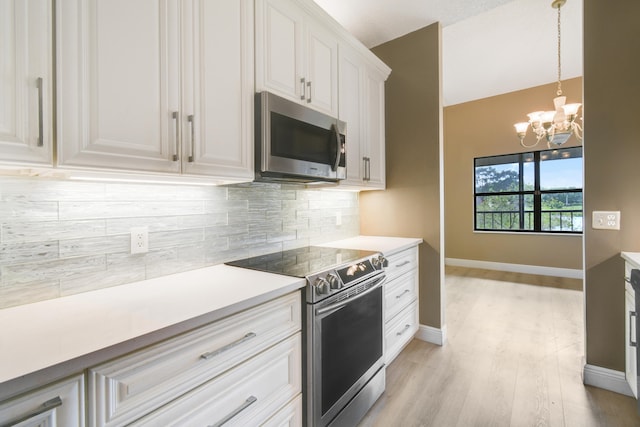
516, 268
432, 335
607, 379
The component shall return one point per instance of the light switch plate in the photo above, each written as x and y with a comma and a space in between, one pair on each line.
606, 220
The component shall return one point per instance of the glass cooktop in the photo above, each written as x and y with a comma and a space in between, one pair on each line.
302, 262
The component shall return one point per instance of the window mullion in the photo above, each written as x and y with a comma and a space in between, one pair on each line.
537, 196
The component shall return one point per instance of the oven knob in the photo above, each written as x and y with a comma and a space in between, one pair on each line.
334, 281
380, 262
322, 286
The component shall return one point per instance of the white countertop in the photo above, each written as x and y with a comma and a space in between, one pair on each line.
43, 334
77, 331
386, 245
632, 257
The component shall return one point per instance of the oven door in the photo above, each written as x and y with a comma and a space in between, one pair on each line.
346, 346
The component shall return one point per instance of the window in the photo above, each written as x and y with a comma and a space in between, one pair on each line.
540, 191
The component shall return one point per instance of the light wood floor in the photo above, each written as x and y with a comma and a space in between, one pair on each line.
514, 357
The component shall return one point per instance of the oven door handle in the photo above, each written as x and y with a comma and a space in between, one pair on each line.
339, 305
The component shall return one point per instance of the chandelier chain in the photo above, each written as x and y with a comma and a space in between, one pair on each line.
559, 92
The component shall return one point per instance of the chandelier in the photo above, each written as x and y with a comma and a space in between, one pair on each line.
556, 126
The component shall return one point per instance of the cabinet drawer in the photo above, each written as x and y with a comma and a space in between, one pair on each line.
400, 331
399, 293
129, 387
402, 262
289, 416
248, 395
59, 404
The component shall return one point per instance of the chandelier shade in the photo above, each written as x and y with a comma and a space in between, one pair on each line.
558, 125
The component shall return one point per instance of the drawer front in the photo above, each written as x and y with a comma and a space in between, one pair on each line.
248, 395
289, 416
399, 293
402, 262
129, 387
59, 404
400, 331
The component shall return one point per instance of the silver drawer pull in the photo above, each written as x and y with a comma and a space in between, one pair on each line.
403, 264
45, 407
402, 294
250, 401
208, 355
627, 279
406, 328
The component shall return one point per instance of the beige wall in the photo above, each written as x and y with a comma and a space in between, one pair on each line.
410, 206
612, 156
485, 128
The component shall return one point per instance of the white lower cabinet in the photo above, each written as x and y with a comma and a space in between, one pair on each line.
401, 301
245, 396
206, 374
630, 334
58, 404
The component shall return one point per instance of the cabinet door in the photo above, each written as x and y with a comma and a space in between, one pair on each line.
118, 74
60, 404
25, 82
279, 64
218, 95
322, 69
630, 334
374, 129
349, 111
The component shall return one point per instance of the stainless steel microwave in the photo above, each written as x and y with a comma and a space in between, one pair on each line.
296, 143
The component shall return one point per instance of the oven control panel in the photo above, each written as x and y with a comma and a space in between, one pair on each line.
327, 283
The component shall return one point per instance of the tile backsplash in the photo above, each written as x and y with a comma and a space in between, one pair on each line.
60, 238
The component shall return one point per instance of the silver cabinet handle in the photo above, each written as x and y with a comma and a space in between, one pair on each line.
401, 294
403, 264
309, 97
334, 129
46, 406
250, 401
628, 280
405, 329
365, 178
40, 113
208, 355
632, 343
368, 168
176, 155
303, 91
193, 138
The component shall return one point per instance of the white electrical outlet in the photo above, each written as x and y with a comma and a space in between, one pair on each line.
606, 220
139, 240
338, 218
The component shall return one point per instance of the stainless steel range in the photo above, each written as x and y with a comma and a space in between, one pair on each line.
344, 367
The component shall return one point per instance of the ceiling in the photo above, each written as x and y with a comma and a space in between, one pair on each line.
489, 47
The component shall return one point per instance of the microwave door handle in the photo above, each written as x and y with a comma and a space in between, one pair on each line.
334, 128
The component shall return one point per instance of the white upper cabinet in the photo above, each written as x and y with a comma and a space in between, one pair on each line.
296, 56
25, 82
155, 86
362, 108
219, 90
